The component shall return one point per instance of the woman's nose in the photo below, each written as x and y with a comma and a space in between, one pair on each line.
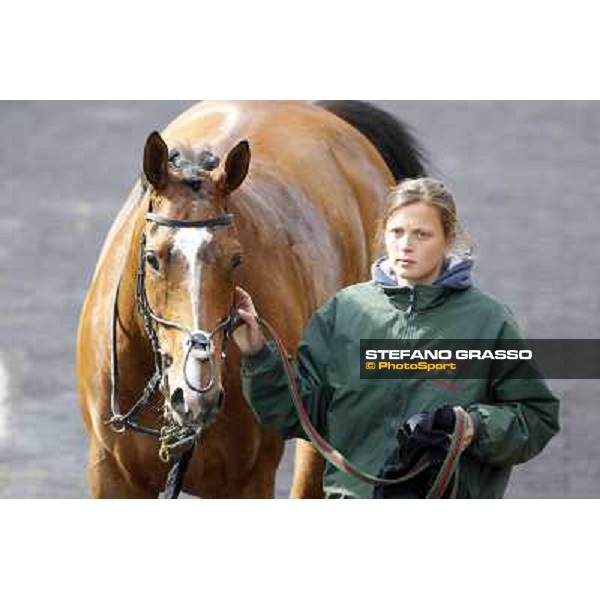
405, 243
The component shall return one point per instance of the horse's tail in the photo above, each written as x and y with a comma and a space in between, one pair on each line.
393, 139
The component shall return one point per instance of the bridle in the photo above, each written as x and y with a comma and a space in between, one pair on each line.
173, 437
198, 339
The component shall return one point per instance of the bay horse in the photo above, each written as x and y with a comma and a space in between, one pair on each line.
280, 198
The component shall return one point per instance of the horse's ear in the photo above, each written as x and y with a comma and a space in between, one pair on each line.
236, 165
156, 161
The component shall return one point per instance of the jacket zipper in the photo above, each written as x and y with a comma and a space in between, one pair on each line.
409, 314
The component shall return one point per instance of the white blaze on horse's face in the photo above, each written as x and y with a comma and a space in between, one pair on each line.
189, 243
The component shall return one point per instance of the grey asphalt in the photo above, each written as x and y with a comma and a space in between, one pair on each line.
526, 177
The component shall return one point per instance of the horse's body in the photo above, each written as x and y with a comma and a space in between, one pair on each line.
305, 218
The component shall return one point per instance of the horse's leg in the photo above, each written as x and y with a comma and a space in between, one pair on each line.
309, 466
108, 479
261, 482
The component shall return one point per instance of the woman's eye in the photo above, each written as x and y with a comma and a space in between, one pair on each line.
152, 260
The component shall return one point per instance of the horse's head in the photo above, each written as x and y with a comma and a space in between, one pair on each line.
189, 253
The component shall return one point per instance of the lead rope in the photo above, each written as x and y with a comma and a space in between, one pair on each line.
176, 475
337, 459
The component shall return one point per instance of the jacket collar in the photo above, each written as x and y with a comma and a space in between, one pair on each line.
455, 275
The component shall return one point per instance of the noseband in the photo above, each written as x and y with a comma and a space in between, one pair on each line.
173, 436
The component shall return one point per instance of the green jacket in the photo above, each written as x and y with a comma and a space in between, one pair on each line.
514, 418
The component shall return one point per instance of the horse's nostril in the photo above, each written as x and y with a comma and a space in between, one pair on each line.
177, 401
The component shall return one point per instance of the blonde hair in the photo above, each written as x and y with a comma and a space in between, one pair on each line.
436, 194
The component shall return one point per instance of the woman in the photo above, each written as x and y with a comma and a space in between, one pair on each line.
419, 290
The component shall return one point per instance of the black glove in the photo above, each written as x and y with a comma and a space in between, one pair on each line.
423, 434
443, 419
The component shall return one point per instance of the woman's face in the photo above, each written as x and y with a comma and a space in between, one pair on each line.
415, 243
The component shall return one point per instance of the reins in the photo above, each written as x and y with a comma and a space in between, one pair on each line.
449, 467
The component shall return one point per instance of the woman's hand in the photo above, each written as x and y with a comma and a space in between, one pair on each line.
248, 337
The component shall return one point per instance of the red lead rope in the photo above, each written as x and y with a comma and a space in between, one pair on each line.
337, 459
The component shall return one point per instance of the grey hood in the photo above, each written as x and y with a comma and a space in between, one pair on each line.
456, 273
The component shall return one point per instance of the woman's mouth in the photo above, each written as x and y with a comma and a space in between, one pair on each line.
405, 262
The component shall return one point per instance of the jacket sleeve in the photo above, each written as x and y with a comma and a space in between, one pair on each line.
522, 415
265, 385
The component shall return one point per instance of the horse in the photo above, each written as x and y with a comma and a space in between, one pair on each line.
279, 198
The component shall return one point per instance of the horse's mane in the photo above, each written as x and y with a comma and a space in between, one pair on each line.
392, 138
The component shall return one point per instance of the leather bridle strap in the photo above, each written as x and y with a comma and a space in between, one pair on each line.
118, 421
337, 459
221, 221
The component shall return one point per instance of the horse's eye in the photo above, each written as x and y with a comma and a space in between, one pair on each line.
236, 261
152, 260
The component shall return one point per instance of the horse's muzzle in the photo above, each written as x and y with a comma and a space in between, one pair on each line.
193, 409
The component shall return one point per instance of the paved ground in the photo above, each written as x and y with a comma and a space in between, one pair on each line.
526, 176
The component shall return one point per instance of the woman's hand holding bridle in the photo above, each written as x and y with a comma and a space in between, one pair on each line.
248, 337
